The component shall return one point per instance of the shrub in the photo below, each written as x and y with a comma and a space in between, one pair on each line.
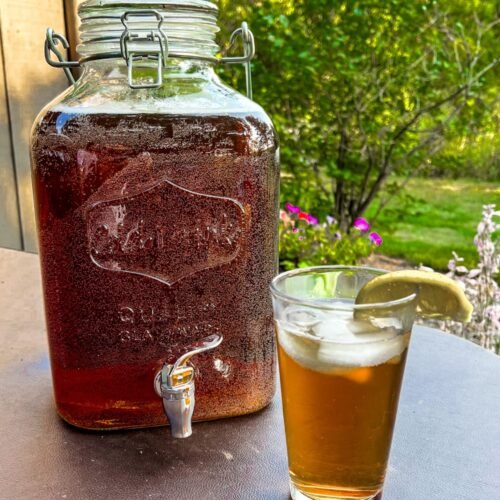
480, 286
304, 241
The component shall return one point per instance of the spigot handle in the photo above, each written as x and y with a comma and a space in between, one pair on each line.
175, 385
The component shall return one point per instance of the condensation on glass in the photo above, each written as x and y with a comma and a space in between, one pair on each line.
156, 190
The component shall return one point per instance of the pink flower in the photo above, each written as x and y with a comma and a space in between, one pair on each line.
310, 219
376, 239
362, 225
292, 208
286, 219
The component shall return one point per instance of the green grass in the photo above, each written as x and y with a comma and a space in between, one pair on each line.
440, 216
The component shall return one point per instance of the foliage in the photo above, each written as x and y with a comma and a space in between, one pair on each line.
480, 286
473, 156
364, 89
305, 242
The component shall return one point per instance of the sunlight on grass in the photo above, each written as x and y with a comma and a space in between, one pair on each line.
450, 187
442, 217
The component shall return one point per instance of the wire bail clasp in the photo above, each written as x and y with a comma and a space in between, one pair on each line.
50, 46
248, 53
140, 44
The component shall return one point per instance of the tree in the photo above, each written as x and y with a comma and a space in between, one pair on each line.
362, 90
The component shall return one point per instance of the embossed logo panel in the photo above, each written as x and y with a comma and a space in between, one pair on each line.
164, 232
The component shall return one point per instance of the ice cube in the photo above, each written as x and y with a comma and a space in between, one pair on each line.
327, 341
301, 347
358, 343
303, 318
361, 353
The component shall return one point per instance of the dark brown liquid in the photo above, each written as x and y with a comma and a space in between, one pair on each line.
155, 231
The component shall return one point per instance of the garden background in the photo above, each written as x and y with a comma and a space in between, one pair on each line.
387, 112
388, 115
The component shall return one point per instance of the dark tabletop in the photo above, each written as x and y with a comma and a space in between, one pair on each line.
446, 444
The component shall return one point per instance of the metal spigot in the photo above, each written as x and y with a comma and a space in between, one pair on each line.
175, 385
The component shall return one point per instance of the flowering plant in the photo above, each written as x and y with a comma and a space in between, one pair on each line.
304, 241
480, 286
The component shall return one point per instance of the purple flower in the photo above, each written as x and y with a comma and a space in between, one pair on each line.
312, 220
292, 208
376, 239
362, 225
295, 230
330, 220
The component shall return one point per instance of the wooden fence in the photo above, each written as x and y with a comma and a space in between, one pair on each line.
27, 83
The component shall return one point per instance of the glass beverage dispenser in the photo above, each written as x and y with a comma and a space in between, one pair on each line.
156, 189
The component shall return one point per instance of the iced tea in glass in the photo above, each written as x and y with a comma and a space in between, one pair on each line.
341, 368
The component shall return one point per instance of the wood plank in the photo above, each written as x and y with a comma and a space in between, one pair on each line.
31, 84
10, 225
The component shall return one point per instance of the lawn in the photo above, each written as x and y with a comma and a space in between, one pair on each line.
440, 217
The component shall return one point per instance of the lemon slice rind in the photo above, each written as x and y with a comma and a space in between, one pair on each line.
439, 297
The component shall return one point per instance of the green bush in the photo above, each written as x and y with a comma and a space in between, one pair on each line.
363, 91
304, 241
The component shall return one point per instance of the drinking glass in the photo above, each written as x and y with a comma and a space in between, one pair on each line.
341, 368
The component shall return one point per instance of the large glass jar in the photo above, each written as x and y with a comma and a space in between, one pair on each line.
157, 218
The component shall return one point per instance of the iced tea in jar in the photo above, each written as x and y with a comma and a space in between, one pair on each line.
156, 189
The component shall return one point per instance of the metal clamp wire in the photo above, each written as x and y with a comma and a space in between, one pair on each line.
52, 39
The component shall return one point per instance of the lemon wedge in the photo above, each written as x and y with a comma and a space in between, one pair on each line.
438, 296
